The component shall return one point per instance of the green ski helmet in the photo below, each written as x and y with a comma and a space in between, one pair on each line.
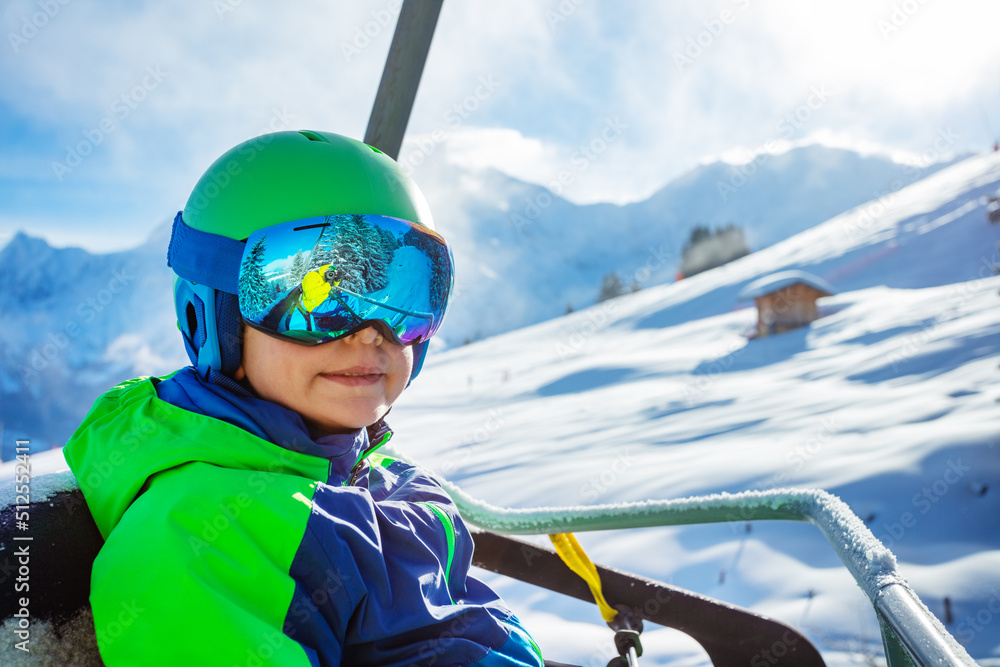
271, 179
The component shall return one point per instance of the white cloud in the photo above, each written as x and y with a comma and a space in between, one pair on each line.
556, 84
504, 149
581, 173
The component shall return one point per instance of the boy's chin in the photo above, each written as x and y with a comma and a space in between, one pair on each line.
345, 423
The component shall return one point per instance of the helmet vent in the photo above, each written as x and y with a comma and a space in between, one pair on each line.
192, 320
313, 136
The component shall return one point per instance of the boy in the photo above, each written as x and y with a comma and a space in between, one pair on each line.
248, 518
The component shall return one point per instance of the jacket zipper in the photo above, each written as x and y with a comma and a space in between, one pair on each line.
356, 469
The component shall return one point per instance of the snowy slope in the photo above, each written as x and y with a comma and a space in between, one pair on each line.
889, 401
71, 328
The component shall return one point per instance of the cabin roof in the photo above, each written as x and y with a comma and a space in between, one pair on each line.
776, 281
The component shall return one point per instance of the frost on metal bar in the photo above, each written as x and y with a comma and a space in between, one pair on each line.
43, 487
872, 565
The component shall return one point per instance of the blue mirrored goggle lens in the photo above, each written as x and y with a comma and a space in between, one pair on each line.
317, 279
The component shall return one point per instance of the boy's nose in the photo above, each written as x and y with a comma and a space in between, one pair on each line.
368, 335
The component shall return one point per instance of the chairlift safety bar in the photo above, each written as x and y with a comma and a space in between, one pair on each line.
911, 634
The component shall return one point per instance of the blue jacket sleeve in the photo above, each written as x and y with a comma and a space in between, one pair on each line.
383, 579
520, 650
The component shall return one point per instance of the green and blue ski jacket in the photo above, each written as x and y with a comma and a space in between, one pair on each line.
232, 538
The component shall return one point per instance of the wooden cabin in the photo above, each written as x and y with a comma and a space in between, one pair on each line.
785, 300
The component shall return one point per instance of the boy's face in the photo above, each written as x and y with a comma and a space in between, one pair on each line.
336, 387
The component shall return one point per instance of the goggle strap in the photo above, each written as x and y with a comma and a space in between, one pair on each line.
204, 258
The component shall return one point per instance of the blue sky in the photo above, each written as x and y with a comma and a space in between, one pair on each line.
153, 92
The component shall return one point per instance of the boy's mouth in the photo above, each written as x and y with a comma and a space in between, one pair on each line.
356, 376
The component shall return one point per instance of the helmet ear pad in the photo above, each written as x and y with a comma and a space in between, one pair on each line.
209, 321
229, 324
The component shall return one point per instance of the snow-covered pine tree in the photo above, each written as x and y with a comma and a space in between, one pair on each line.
611, 287
440, 284
297, 271
347, 254
323, 253
374, 269
707, 249
254, 288
387, 246
360, 251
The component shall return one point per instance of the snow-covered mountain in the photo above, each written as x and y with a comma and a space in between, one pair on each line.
889, 400
75, 323
524, 255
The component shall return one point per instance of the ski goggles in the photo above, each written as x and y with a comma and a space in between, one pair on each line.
318, 279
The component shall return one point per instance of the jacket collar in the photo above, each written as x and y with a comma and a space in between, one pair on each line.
226, 400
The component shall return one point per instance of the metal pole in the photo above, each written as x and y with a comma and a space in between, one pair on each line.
925, 640
401, 76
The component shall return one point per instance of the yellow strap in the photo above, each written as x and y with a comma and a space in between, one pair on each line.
573, 555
